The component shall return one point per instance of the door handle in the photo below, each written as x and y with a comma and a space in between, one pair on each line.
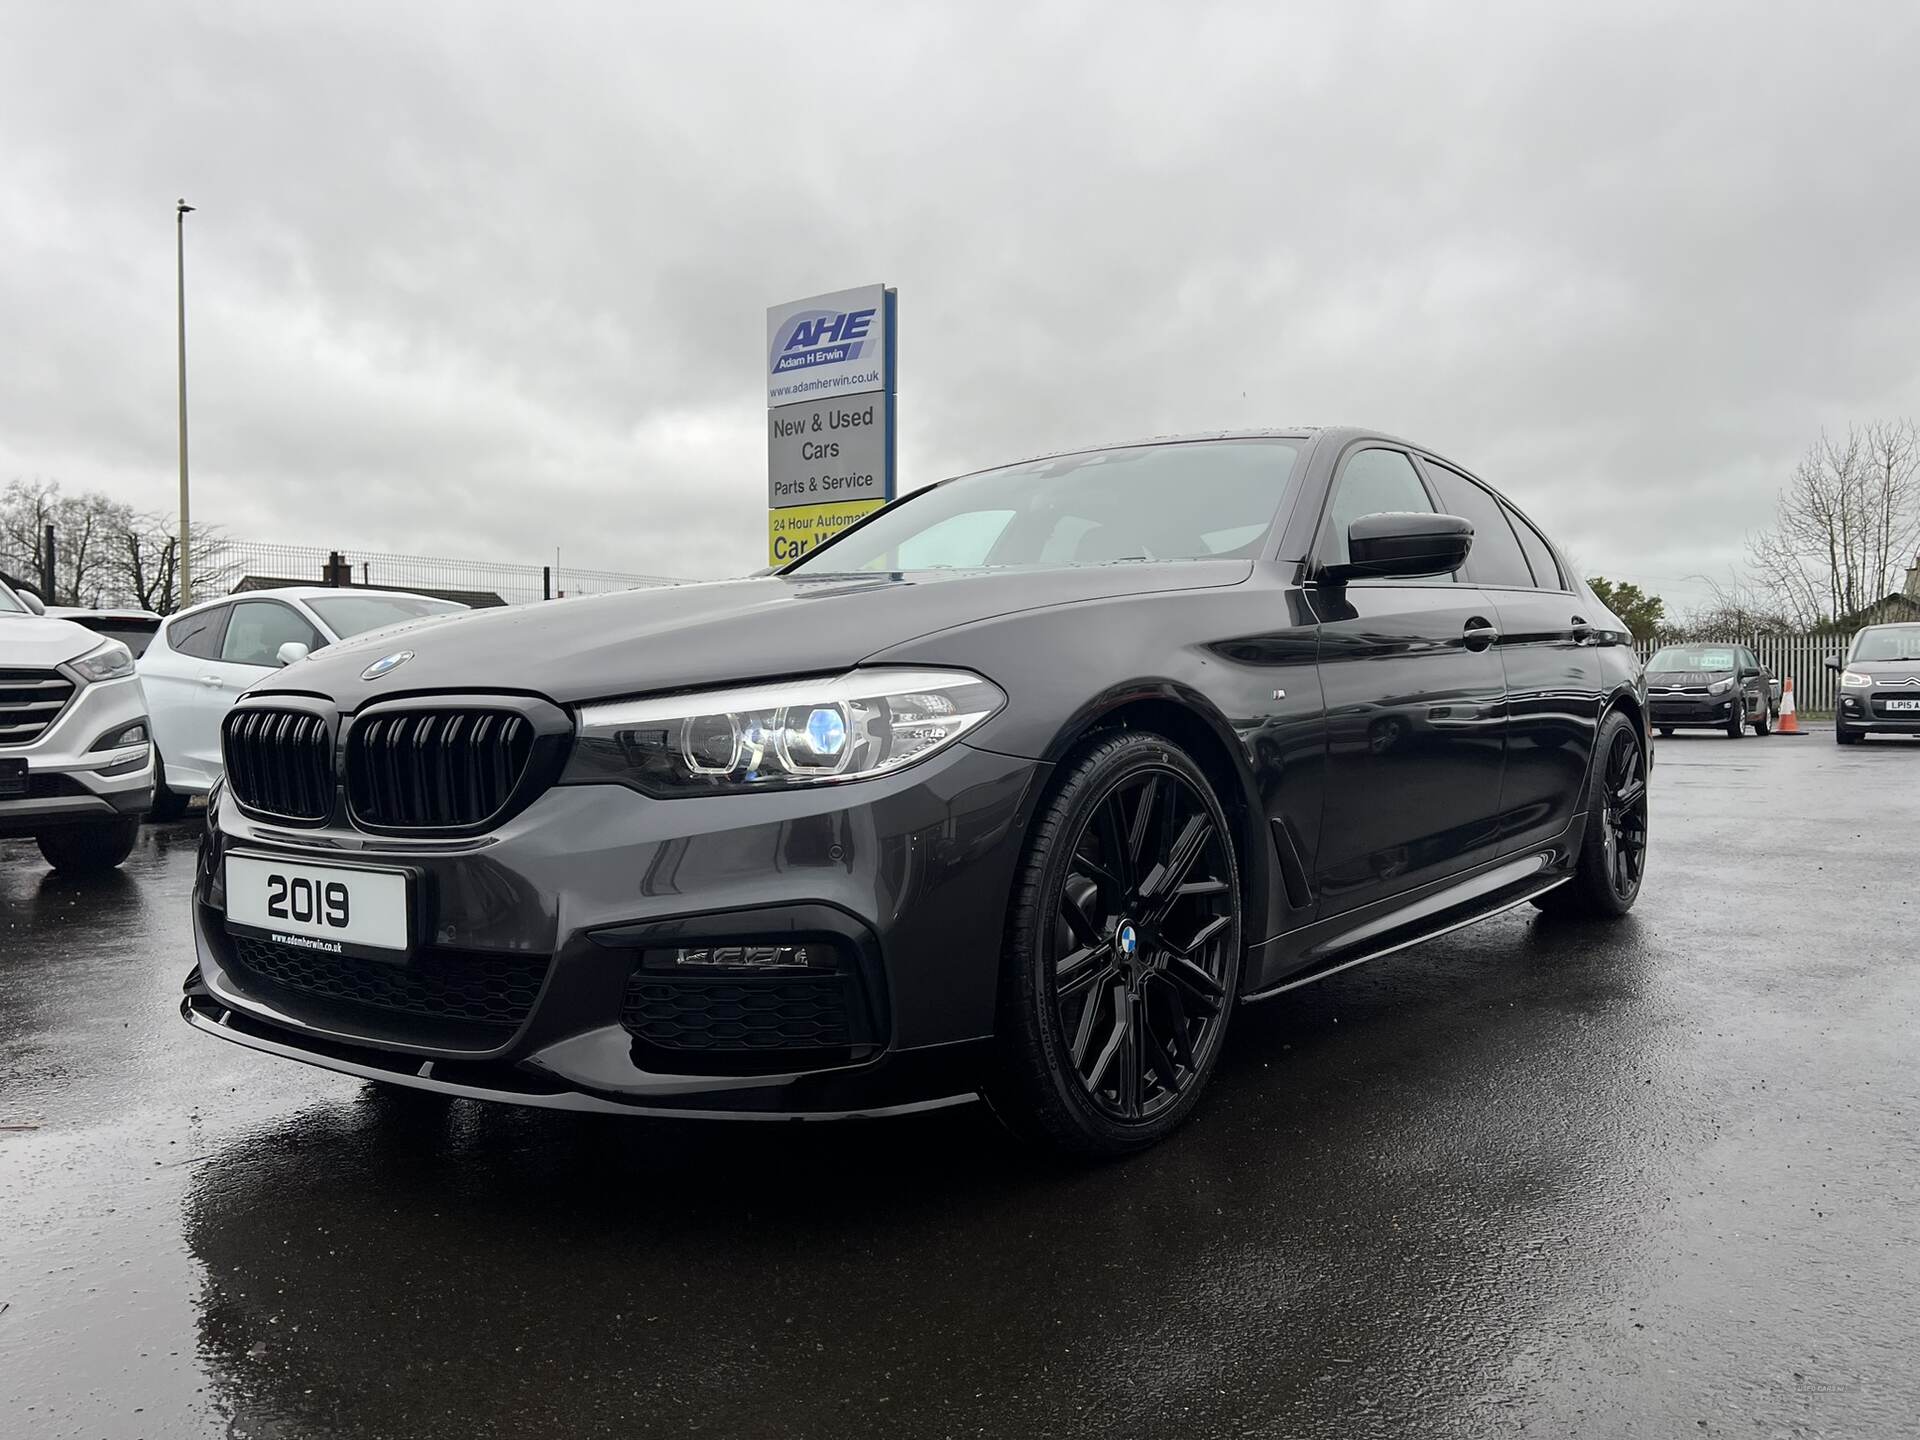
1582, 631
210, 680
1479, 634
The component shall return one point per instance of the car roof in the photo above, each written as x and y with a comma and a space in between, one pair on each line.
313, 592
1338, 435
108, 612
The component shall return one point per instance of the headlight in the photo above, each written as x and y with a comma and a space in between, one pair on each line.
1720, 687
109, 661
769, 737
1854, 680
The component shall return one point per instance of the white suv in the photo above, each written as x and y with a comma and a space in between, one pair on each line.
76, 758
203, 658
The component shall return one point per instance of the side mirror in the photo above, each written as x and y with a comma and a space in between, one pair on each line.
291, 653
32, 602
1833, 663
1403, 545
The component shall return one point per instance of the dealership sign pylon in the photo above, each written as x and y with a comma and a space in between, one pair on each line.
830, 415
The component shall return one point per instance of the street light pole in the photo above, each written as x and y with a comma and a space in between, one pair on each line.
180, 294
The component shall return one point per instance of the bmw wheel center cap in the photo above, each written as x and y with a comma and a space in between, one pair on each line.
1127, 938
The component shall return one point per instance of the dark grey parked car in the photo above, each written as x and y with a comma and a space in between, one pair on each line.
1879, 684
1714, 687
1017, 788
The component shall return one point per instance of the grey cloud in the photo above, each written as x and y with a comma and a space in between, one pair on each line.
486, 281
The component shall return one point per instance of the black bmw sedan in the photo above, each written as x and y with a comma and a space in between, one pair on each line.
1015, 790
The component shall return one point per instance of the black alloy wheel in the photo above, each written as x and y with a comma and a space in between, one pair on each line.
1613, 849
1124, 951
1625, 835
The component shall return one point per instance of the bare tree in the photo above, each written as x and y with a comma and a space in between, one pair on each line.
147, 563
1737, 608
85, 528
1844, 525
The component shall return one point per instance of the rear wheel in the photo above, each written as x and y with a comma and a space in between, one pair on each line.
92, 847
1123, 952
1613, 850
167, 804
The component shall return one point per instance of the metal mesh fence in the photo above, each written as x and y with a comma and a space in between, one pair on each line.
250, 563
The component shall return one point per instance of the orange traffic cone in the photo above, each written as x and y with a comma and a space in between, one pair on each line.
1788, 725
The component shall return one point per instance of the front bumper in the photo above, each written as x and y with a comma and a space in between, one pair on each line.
1865, 711
1693, 711
908, 874
68, 781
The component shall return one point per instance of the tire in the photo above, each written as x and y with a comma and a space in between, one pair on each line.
1107, 1034
92, 847
1765, 723
1843, 736
168, 805
1737, 726
1613, 847
1666, 732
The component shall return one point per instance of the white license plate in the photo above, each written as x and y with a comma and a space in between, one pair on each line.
1901, 704
332, 909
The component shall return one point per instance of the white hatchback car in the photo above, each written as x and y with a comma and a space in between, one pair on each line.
203, 658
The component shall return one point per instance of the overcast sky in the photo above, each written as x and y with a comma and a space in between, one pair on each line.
486, 281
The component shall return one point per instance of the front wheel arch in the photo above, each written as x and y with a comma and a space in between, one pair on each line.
1191, 723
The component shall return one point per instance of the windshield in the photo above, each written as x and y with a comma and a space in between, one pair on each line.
10, 602
1213, 499
354, 614
1692, 660
1895, 642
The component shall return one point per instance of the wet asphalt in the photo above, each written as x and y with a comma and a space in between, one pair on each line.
1655, 1178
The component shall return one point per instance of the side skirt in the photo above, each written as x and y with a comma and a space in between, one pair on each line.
1454, 907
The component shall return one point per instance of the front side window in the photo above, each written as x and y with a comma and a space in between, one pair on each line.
10, 603
1892, 642
1496, 557
1204, 500
356, 614
1373, 482
259, 628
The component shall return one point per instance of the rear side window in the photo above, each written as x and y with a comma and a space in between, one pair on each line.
1495, 558
1373, 482
1546, 570
199, 634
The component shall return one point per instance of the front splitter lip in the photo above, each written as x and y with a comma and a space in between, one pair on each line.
206, 1013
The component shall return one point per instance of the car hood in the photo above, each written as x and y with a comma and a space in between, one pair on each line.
34, 642
1681, 679
676, 637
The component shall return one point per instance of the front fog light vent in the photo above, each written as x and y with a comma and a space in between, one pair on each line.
745, 959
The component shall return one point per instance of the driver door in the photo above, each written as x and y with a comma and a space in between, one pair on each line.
1415, 704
